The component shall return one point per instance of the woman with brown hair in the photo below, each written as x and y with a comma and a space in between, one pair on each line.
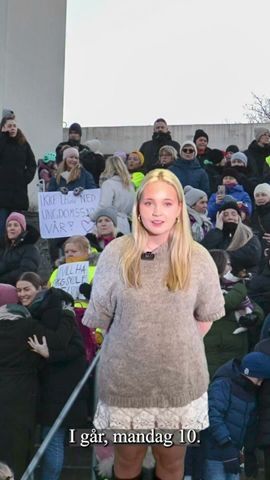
17, 169
150, 288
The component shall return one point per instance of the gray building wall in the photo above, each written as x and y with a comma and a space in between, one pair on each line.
32, 59
131, 138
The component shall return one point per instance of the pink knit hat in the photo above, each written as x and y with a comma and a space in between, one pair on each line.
8, 294
17, 217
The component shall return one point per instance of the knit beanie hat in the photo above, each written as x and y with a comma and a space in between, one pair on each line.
256, 364
106, 212
75, 128
231, 204
189, 143
259, 131
94, 145
70, 151
49, 157
240, 156
262, 188
232, 149
215, 155
193, 195
200, 133
17, 217
121, 154
230, 172
139, 155
8, 294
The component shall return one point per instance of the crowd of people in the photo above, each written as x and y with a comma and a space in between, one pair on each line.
181, 239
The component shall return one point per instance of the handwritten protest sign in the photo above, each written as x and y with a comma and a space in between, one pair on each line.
62, 215
70, 276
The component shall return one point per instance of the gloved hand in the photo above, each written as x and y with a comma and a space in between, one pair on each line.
77, 191
232, 465
251, 464
64, 190
248, 320
85, 289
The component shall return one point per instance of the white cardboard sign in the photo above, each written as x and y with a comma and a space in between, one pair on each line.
70, 276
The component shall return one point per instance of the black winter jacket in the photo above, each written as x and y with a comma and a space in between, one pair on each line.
21, 257
94, 163
259, 169
259, 289
64, 368
19, 380
245, 257
17, 169
151, 149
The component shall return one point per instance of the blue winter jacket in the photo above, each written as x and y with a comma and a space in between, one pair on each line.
232, 411
190, 172
237, 192
85, 180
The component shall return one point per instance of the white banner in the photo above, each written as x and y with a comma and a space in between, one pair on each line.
70, 276
63, 215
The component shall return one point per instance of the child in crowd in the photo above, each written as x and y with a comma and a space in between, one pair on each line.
197, 201
77, 249
232, 414
135, 163
47, 168
230, 186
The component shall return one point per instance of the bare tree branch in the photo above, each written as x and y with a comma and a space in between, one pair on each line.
259, 110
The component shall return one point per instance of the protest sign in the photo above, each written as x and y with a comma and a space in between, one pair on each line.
70, 276
62, 215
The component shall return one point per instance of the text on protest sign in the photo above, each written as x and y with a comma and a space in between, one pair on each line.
70, 276
62, 215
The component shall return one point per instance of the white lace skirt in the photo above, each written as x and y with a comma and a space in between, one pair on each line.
192, 416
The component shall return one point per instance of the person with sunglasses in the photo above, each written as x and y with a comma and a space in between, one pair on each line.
188, 169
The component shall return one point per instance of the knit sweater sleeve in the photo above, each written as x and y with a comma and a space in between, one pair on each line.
210, 301
102, 304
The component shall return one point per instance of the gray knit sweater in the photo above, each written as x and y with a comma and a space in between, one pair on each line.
153, 355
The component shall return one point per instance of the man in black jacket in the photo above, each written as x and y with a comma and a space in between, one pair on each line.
161, 137
74, 140
258, 154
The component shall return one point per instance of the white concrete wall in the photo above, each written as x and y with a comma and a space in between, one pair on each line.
32, 59
130, 138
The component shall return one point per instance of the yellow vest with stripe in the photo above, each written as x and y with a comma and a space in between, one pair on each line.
78, 303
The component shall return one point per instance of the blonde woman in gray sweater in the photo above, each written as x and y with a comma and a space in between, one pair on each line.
153, 288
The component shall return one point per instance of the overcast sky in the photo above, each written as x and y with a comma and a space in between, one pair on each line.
189, 61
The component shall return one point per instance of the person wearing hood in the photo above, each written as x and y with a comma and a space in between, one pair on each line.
201, 140
17, 169
239, 163
188, 169
18, 253
231, 186
196, 201
19, 386
150, 149
92, 159
258, 154
74, 140
237, 239
232, 414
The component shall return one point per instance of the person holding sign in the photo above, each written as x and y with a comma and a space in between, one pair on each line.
75, 276
147, 377
71, 176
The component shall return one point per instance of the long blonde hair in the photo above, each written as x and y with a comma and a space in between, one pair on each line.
115, 166
75, 172
241, 236
181, 243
